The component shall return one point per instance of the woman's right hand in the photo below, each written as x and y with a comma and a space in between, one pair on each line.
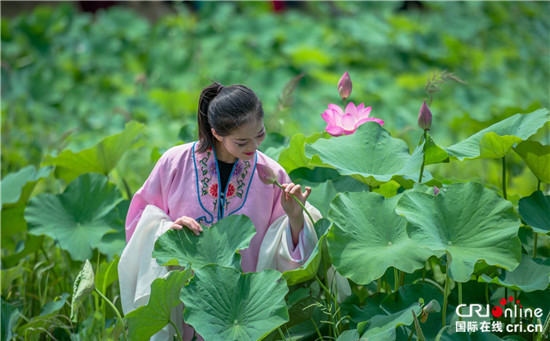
190, 223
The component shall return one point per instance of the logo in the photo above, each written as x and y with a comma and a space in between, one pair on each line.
509, 310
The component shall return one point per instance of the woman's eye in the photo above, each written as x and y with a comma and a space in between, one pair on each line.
240, 144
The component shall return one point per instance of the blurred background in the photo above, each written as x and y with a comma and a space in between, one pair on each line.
76, 72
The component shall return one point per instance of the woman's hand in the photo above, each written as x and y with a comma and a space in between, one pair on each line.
292, 209
190, 223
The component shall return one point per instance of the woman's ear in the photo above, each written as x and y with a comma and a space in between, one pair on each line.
216, 136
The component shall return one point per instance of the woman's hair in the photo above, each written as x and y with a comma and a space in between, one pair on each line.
225, 108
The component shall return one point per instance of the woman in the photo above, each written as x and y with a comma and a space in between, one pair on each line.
204, 181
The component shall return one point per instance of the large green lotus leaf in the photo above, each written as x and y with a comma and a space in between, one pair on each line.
218, 244
349, 335
18, 185
469, 222
367, 231
16, 190
535, 211
293, 157
370, 155
434, 153
225, 304
528, 276
79, 217
323, 193
496, 140
101, 158
537, 158
113, 243
149, 319
309, 269
382, 327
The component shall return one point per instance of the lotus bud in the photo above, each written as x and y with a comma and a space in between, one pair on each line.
344, 86
425, 117
266, 174
436, 190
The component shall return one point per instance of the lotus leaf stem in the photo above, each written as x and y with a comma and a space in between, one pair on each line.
535, 245
423, 155
177, 330
445, 296
504, 178
108, 301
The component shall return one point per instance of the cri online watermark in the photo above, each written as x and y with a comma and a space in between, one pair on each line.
514, 313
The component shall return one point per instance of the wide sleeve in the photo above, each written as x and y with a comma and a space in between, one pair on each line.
153, 192
137, 269
277, 250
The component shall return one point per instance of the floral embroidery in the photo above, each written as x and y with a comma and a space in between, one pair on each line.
213, 191
212, 168
230, 192
212, 201
238, 169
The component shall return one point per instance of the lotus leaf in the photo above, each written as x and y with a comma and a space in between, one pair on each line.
528, 276
370, 155
79, 217
225, 304
101, 158
309, 269
367, 231
218, 244
535, 211
469, 222
495, 141
382, 327
537, 158
147, 320
14, 184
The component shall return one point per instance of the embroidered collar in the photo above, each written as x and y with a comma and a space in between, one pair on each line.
215, 205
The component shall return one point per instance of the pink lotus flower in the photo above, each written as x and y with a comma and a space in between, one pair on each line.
344, 86
340, 122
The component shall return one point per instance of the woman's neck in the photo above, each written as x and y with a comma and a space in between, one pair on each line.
222, 154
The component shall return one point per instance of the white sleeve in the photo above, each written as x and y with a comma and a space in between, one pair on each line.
277, 250
137, 269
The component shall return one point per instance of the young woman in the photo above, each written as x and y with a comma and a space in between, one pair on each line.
204, 181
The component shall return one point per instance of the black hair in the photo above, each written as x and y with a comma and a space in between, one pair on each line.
225, 108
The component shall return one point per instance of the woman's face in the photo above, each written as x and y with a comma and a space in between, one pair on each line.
241, 143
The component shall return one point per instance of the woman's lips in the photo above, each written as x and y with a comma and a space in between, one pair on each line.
249, 154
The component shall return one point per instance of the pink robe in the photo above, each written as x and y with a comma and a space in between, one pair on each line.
185, 183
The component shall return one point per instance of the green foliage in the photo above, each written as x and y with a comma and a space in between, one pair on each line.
536, 157
225, 303
147, 320
367, 230
496, 140
218, 244
370, 155
93, 100
102, 158
529, 276
534, 211
79, 217
469, 222
84, 285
